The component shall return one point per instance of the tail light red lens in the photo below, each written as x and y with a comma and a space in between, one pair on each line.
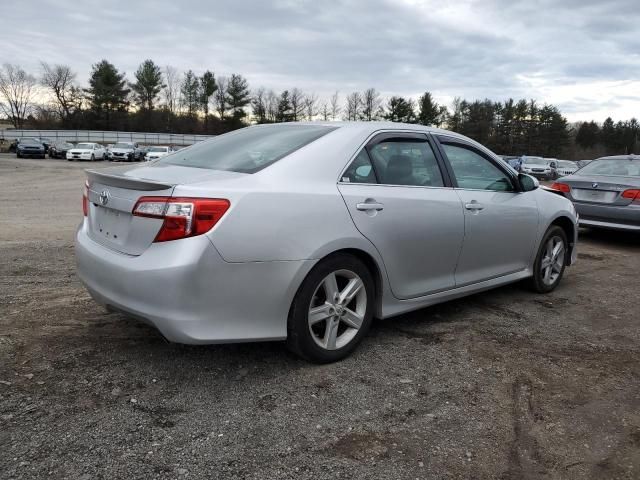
633, 194
85, 199
561, 187
183, 217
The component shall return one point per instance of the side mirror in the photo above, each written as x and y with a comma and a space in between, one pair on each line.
527, 182
553, 165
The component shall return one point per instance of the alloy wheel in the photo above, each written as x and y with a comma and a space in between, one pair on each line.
337, 310
553, 260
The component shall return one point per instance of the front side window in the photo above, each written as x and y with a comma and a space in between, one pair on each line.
406, 161
474, 171
248, 150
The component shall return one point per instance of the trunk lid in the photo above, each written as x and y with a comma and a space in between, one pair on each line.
600, 189
113, 193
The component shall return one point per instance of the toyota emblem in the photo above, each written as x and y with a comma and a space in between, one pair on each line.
104, 197
594, 185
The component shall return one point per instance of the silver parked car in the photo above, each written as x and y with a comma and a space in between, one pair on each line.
305, 232
606, 192
566, 167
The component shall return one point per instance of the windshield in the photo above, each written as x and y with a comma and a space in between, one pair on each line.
248, 150
85, 145
158, 149
615, 168
533, 161
123, 145
30, 141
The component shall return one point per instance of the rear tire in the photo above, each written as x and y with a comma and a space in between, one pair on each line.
332, 310
550, 261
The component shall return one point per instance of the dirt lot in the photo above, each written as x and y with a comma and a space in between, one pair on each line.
505, 384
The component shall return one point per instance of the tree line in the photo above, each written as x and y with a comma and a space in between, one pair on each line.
162, 99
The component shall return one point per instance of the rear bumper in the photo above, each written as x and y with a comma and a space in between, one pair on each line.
609, 216
188, 292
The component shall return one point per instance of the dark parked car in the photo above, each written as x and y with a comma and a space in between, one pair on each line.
141, 152
606, 192
30, 147
46, 142
59, 149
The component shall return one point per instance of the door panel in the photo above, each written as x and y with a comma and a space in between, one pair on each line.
417, 230
500, 222
500, 232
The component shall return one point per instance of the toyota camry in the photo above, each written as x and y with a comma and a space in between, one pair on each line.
305, 232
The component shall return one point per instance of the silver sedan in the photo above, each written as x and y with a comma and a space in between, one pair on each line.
305, 232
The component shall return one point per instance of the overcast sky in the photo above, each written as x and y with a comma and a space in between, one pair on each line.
582, 55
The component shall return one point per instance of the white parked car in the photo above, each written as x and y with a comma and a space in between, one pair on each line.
87, 151
157, 152
543, 168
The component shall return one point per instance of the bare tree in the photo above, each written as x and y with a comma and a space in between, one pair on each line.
171, 91
296, 97
271, 106
334, 103
259, 105
311, 106
220, 97
371, 104
60, 81
17, 89
353, 106
325, 113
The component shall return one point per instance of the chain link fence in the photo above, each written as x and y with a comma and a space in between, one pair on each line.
105, 137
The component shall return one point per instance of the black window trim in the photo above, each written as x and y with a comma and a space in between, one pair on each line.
380, 137
451, 140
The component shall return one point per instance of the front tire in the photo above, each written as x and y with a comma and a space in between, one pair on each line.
332, 310
551, 260
93, 157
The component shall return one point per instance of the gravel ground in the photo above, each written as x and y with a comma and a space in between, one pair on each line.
505, 384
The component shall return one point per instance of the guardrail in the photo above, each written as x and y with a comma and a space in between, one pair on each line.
105, 137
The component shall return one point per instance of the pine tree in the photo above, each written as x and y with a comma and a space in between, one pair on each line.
107, 92
148, 84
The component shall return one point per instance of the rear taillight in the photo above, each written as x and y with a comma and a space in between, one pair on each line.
183, 217
632, 194
561, 187
85, 199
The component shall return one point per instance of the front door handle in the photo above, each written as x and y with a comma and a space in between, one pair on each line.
474, 206
370, 206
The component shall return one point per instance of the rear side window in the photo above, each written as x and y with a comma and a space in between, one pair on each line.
248, 150
360, 170
404, 161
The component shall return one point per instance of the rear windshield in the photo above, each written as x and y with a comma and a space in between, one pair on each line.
614, 168
248, 150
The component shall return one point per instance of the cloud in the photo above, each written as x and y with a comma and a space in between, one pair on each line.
496, 49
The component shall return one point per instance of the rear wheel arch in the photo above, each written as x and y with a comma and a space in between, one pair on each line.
372, 266
569, 229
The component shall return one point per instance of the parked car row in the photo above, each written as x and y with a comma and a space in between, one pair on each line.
543, 168
122, 151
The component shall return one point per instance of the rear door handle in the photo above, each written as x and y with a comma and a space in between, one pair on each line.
474, 205
370, 206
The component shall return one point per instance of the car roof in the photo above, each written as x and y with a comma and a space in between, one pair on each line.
631, 156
